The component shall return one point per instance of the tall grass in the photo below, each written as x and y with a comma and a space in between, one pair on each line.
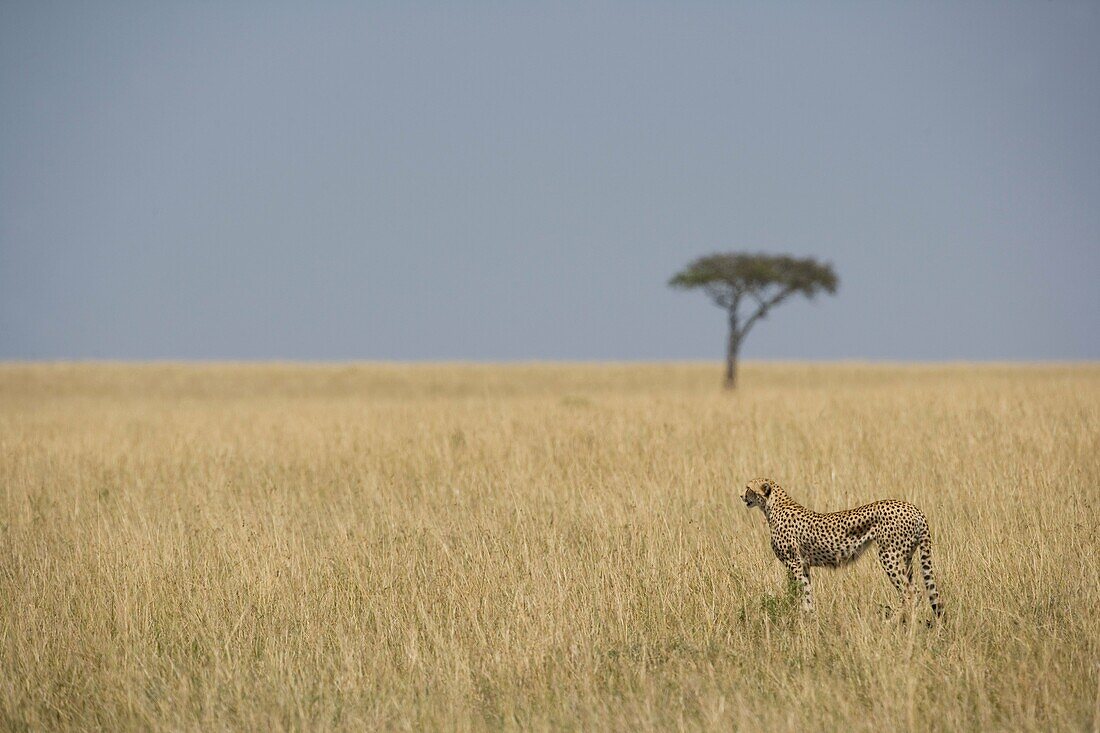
558, 546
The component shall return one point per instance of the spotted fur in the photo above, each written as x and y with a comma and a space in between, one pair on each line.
803, 539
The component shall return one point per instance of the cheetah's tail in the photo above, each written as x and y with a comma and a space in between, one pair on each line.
925, 547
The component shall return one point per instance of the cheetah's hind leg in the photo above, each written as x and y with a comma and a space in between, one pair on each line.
898, 564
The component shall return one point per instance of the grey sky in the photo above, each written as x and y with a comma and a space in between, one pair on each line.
519, 180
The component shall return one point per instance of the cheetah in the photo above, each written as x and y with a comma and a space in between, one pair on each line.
803, 539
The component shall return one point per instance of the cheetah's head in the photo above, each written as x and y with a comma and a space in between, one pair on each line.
757, 491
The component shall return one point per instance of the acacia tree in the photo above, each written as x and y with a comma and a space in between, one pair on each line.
747, 286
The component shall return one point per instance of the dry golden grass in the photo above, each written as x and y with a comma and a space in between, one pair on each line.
455, 547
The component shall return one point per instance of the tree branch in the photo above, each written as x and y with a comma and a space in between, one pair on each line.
765, 306
724, 297
756, 296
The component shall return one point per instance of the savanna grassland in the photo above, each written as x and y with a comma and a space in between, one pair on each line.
459, 547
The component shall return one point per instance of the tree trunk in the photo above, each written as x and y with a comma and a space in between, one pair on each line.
732, 347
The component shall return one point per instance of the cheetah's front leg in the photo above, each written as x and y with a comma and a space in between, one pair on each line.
801, 573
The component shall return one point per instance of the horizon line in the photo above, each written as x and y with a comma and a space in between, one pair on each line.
5, 363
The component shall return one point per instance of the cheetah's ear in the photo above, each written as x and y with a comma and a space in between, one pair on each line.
766, 487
